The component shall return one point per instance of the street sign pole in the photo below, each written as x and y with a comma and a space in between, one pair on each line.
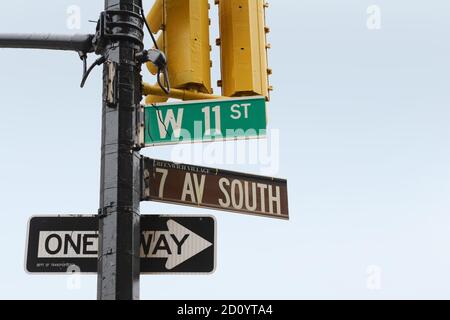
119, 223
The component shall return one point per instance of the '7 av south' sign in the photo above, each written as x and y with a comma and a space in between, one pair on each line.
215, 189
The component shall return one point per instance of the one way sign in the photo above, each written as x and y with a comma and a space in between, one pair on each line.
169, 244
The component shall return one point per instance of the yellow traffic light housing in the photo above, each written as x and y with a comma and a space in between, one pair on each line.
184, 38
243, 48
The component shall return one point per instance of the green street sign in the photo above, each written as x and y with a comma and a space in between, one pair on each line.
205, 121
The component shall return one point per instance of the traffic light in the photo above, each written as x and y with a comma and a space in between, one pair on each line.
184, 38
244, 47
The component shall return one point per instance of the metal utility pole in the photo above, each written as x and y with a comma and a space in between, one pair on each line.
119, 223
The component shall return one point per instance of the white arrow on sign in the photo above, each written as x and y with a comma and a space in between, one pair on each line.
178, 245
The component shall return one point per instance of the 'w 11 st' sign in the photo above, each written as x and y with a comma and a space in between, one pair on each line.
203, 121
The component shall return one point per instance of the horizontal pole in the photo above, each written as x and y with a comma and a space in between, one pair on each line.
181, 94
78, 43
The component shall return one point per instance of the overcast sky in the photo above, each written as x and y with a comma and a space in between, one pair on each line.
360, 115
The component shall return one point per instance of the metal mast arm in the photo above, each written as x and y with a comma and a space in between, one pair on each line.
79, 43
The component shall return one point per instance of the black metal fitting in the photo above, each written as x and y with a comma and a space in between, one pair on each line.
118, 25
157, 57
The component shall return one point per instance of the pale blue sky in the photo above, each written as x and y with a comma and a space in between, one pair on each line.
365, 145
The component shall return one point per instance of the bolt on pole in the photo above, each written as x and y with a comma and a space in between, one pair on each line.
119, 223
